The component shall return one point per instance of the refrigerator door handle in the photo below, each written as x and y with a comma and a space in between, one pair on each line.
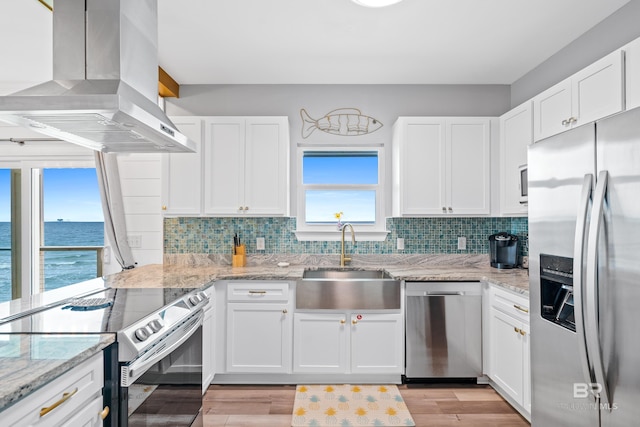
578, 280
594, 347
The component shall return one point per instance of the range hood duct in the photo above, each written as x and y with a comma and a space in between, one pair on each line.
104, 90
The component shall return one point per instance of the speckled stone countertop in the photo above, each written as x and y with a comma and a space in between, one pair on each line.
193, 271
27, 362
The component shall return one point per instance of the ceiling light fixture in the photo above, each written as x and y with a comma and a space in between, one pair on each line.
376, 3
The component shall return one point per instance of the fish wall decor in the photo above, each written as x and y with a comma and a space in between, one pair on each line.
343, 121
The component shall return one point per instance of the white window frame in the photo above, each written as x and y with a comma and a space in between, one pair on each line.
329, 232
37, 157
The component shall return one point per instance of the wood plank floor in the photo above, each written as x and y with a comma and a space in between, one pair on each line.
430, 406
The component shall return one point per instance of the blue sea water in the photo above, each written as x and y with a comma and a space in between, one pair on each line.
60, 268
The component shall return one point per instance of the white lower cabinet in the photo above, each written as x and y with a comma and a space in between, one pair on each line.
208, 338
258, 338
73, 399
508, 342
348, 343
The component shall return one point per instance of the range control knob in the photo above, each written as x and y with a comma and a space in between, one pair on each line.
203, 295
194, 300
155, 325
142, 334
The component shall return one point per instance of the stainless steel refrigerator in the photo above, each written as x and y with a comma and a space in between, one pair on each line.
584, 266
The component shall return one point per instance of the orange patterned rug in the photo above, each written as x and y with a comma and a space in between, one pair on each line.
349, 405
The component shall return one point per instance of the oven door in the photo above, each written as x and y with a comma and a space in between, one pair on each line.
164, 385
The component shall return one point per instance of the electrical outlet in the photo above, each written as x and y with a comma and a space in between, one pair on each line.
400, 244
260, 243
134, 240
462, 243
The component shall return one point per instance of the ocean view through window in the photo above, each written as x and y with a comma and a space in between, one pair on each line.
70, 217
5, 234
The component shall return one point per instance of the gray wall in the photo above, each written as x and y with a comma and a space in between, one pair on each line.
615, 31
382, 102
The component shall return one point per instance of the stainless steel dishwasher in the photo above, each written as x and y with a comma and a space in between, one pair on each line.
443, 330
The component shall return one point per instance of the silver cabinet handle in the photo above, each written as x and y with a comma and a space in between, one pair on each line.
565, 122
258, 292
442, 293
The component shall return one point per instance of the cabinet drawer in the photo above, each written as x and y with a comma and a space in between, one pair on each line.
85, 381
89, 415
258, 292
510, 303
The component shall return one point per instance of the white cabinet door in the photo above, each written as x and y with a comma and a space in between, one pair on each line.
506, 352
526, 368
419, 163
259, 338
320, 343
266, 166
552, 110
224, 152
516, 134
246, 162
208, 338
632, 73
468, 166
182, 172
441, 166
597, 90
591, 94
377, 343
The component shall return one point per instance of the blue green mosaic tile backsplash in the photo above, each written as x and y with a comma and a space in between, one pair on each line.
421, 236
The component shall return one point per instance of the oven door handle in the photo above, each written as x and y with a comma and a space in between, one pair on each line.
131, 372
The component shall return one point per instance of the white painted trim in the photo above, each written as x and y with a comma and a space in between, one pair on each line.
328, 232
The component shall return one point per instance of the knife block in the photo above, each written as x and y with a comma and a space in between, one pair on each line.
239, 258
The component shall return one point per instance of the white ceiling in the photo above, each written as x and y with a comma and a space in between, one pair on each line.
329, 41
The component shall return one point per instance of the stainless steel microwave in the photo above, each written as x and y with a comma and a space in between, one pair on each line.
523, 184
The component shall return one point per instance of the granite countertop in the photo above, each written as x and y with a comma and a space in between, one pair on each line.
190, 275
27, 362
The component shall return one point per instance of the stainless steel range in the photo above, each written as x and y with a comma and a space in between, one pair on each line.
159, 341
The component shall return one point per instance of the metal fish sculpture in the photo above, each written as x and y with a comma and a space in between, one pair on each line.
343, 121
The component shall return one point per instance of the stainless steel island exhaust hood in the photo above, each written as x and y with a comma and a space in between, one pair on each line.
104, 90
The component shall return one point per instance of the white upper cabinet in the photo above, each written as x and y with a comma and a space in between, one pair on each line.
516, 134
441, 166
246, 166
632, 73
591, 94
182, 172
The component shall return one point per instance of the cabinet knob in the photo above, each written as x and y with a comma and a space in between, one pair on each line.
523, 333
246, 208
516, 329
284, 311
240, 208
450, 209
342, 321
565, 122
104, 413
444, 210
164, 207
354, 322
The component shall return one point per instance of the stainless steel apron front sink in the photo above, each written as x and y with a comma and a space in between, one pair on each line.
340, 289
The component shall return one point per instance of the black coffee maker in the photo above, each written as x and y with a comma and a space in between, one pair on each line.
503, 248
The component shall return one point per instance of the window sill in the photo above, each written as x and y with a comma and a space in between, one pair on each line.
328, 236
